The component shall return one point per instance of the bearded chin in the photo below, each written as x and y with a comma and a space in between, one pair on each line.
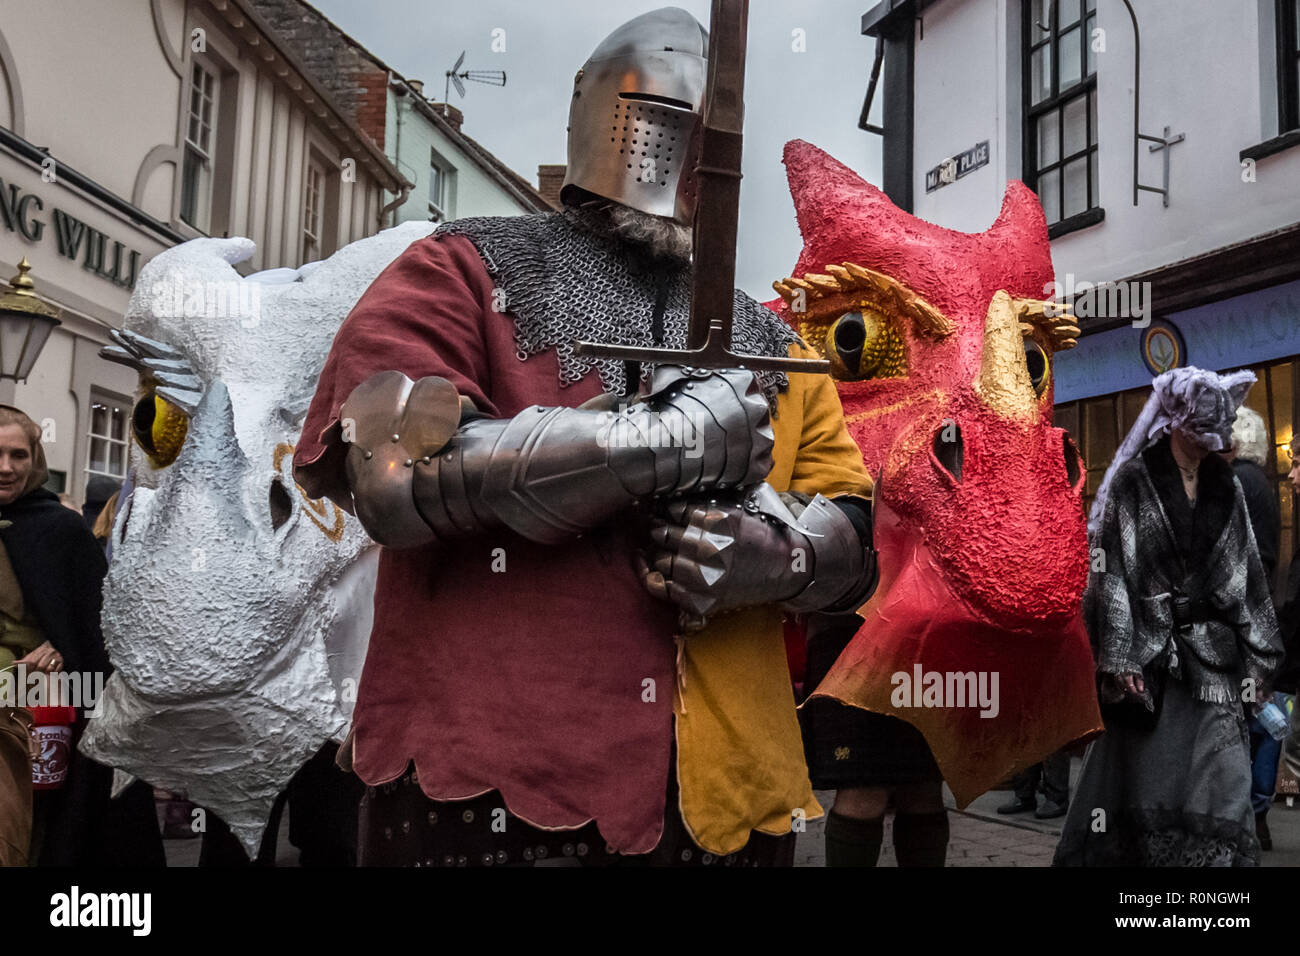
663, 238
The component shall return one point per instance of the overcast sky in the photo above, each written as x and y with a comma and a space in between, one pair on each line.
814, 95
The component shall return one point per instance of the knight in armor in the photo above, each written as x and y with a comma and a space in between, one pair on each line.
577, 646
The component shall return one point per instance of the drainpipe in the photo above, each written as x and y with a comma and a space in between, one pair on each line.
397, 154
392, 206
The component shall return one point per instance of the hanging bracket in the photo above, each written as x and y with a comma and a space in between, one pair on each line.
1159, 142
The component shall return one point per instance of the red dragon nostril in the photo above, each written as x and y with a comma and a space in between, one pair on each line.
1073, 465
949, 450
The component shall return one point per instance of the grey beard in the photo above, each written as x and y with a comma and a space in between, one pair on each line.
662, 237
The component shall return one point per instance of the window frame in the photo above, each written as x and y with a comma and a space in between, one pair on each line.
444, 209
1055, 102
1287, 29
125, 406
313, 208
195, 208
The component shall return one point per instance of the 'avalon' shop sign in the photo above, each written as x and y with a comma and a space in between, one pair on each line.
116, 263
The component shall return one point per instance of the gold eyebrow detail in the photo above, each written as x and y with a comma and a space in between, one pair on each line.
850, 277
1059, 327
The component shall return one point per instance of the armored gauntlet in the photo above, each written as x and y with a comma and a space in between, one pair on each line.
723, 554
418, 475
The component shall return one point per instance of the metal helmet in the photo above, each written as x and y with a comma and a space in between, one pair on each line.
635, 117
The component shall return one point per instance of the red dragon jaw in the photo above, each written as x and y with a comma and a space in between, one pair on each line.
925, 655
949, 346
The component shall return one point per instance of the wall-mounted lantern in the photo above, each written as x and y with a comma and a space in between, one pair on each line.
25, 324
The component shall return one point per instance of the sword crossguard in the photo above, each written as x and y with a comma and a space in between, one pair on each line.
713, 354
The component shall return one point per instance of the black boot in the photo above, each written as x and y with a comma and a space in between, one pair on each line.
1261, 831
1018, 805
852, 842
921, 839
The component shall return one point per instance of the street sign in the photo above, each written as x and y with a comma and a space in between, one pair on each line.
955, 167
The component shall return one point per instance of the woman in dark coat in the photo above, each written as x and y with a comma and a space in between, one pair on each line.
51, 576
1185, 639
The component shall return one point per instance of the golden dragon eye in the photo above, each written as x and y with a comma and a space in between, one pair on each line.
160, 428
863, 344
1039, 366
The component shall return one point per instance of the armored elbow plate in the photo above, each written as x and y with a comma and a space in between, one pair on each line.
391, 423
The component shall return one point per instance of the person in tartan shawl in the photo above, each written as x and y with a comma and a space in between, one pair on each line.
1185, 638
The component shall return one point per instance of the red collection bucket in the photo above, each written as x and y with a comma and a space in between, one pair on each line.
52, 728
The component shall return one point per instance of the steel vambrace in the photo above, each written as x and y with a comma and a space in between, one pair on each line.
844, 561
418, 475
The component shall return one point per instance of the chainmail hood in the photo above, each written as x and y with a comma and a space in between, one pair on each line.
567, 278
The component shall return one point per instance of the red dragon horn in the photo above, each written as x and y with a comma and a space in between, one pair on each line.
1016, 244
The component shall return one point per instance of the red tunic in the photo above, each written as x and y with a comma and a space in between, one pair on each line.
519, 669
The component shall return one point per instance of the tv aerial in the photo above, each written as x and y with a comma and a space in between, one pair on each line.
457, 77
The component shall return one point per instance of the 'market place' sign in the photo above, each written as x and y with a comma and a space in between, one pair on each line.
955, 167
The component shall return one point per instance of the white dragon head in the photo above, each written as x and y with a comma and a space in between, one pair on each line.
236, 609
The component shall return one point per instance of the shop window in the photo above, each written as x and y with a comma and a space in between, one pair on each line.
1060, 100
1099, 424
198, 165
1274, 397
106, 450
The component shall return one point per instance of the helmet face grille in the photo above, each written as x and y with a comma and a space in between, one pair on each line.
651, 140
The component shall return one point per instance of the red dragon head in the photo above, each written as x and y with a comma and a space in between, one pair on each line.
942, 344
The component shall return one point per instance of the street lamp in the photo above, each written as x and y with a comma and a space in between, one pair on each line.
25, 324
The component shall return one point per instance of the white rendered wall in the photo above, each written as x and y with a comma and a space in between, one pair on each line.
1202, 74
473, 191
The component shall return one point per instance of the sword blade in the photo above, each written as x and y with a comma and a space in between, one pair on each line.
717, 209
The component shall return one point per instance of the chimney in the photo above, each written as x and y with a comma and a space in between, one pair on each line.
549, 180
453, 116
417, 85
